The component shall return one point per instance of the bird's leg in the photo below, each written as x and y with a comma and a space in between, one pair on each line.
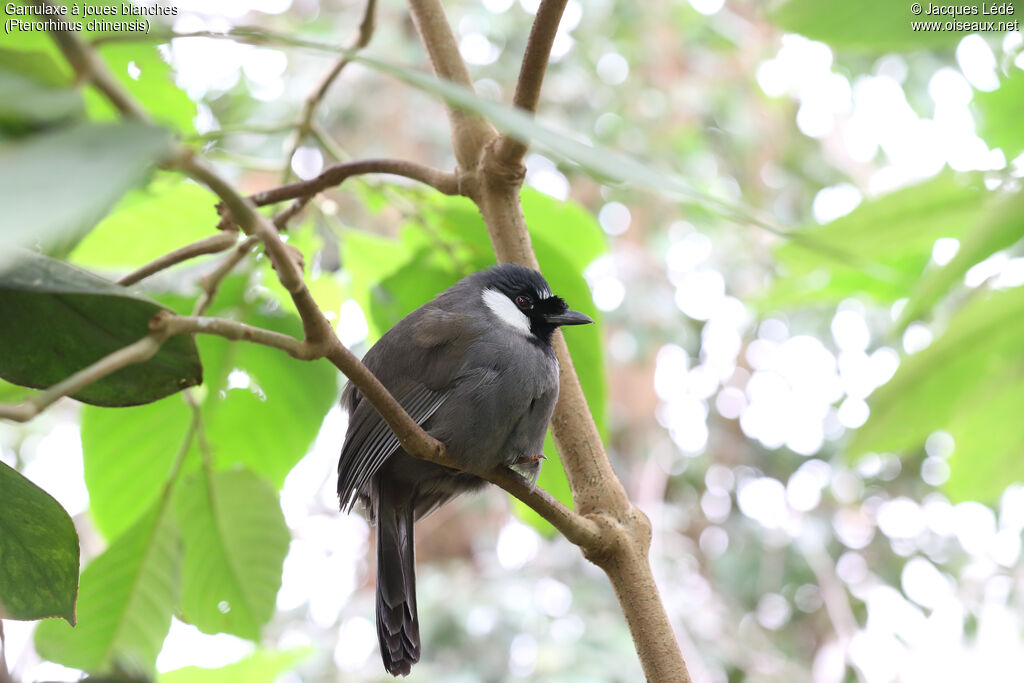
530, 460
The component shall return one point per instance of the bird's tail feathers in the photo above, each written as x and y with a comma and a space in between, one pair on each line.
398, 628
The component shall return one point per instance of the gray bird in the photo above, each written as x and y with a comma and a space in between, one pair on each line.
475, 368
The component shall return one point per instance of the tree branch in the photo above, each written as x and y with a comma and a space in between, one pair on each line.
531, 72
443, 182
305, 124
470, 133
208, 245
141, 350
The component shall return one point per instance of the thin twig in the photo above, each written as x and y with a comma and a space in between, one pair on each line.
443, 182
304, 126
531, 73
141, 350
210, 283
90, 68
208, 245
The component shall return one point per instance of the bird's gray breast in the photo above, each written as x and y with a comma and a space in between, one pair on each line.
501, 404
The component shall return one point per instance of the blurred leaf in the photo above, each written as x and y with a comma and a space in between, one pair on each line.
31, 97
566, 226
128, 455
38, 552
874, 25
261, 667
880, 248
125, 602
264, 419
142, 71
148, 223
1001, 225
36, 65
946, 383
603, 164
235, 541
57, 185
59, 319
989, 439
999, 115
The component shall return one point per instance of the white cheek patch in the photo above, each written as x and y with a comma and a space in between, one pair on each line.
506, 311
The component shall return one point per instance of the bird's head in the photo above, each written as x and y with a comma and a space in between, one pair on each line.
521, 298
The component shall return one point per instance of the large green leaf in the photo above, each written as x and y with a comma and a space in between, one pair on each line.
148, 223
879, 25
1001, 226
59, 184
880, 248
262, 667
981, 350
128, 456
31, 97
125, 603
59, 319
989, 440
235, 542
999, 115
266, 426
38, 552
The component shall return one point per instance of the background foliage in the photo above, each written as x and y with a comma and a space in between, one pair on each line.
807, 264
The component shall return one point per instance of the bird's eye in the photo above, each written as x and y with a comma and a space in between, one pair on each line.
525, 303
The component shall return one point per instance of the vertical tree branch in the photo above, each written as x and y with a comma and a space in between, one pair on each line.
470, 133
531, 73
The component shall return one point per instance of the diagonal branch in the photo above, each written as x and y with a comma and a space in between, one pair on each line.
305, 124
138, 352
208, 245
470, 133
531, 73
443, 182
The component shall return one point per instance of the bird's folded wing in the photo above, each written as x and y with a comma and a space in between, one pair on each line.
371, 441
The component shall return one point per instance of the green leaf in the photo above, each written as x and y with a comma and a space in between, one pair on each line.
59, 184
36, 65
29, 102
148, 223
876, 25
59, 319
999, 115
128, 456
566, 225
149, 79
266, 425
603, 164
880, 248
38, 552
235, 542
989, 438
125, 602
1001, 225
262, 667
982, 347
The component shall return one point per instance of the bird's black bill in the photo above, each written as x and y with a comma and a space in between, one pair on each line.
568, 318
